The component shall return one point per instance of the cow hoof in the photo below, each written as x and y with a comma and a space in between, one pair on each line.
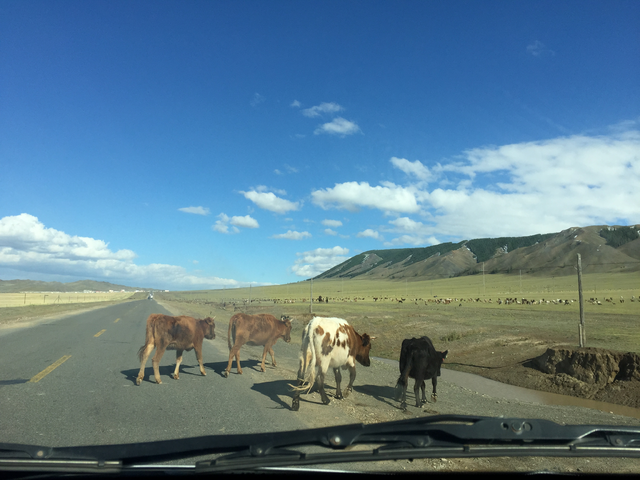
434, 398
226, 374
339, 397
159, 382
347, 392
295, 406
138, 381
204, 373
176, 377
326, 401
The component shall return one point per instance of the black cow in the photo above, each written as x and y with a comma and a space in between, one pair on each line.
420, 361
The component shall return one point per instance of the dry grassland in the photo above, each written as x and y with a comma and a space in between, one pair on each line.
468, 328
52, 298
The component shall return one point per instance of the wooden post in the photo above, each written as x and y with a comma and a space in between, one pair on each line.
581, 298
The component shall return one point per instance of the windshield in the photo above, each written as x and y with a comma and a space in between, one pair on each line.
223, 218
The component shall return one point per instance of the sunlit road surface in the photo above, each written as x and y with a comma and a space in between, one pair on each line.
72, 382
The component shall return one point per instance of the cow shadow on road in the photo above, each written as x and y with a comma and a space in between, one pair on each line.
166, 371
381, 393
220, 367
274, 390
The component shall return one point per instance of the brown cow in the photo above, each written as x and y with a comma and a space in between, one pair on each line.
261, 329
173, 333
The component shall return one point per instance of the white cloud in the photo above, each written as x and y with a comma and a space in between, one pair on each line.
352, 195
405, 224
295, 104
26, 245
369, 233
328, 231
246, 222
332, 223
338, 126
223, 222
539, 49
321, 109
269, 201
416, 168
315, 262
518, 189
257, 100
195, 210
288, 168
293, 235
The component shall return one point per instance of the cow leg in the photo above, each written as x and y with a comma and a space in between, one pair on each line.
295, 405
273, 356
320, 383
416, 389
199, 357
424, 396
401, 391
338, 375
264, 356
176, 373
235, 352
155, 361
352, 377
434, 382
145, 355
238, 361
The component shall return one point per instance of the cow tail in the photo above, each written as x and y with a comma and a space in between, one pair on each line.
148, 338
403, 379
307, 362
231, 335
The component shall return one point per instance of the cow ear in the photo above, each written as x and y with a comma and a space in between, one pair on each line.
366, 340
444, 355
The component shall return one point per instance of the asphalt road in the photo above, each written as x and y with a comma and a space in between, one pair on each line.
71, 381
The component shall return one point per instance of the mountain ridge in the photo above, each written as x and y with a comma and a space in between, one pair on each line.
603, 249
17, 286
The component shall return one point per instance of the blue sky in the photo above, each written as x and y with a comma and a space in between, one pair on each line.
211, 144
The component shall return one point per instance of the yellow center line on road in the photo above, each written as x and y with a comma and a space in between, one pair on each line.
100, 333
49, 369
117, 319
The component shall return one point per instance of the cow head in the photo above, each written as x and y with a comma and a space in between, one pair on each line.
209, 332
287, 328
362, 353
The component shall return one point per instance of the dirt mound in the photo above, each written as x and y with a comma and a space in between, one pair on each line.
592, 373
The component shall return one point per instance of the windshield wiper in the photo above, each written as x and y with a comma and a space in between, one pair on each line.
426, 437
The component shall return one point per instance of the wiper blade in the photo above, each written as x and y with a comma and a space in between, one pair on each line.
425, 437
441, 436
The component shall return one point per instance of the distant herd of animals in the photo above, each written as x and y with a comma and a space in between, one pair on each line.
439, 300
326, 343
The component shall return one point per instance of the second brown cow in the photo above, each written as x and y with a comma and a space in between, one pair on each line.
261, 329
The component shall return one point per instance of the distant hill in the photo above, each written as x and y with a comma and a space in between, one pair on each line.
16, 286
603, 249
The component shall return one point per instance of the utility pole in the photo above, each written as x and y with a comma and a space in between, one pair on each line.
484, 290
311, 296
581, 331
